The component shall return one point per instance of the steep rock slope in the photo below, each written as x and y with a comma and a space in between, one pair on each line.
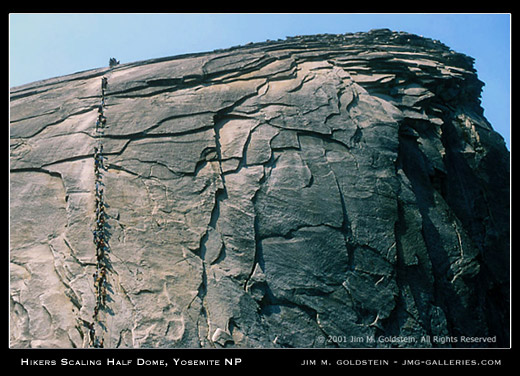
289, 193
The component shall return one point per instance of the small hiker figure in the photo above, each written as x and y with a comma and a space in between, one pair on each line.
102, 120
104, 296
104, 83
99, 190
96, 170
92, 334
98, 160
113, 62
98, 281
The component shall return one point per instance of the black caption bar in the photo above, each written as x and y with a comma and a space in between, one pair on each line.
186, 359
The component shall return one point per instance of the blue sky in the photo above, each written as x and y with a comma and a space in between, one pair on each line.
49, 45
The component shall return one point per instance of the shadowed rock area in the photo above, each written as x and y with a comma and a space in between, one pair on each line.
267, 195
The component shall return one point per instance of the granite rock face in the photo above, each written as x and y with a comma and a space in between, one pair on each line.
290, 193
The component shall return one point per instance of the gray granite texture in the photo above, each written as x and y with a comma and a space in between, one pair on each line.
292, 193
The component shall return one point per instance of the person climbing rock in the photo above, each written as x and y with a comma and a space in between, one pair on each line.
99, 235
102, 120
98, 161
104, 296
91, 334
100, 213
97, 282
113, 62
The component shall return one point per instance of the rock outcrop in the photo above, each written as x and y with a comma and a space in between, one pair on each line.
295, 193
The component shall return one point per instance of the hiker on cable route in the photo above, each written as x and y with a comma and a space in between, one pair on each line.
113, 62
